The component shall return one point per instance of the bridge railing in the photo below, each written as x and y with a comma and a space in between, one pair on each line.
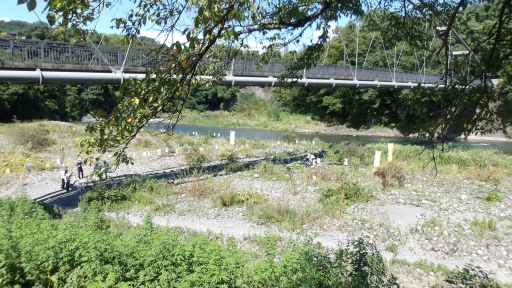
36, 51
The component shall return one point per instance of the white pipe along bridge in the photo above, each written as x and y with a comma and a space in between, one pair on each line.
46, 62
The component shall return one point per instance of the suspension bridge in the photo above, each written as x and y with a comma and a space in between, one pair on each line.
47, 62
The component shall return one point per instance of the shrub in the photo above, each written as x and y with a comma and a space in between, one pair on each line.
493, 196
391, 173
364, 266
134, 190
274, 114
230, 156
195, 158
83, 251
471, 276
289, 137
357, 154
345, 194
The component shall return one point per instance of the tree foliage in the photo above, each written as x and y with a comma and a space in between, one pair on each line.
217, 31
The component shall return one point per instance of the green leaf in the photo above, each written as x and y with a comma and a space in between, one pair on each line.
21, 2
51, 19
32, 4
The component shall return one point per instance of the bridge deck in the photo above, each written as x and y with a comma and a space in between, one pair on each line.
18, 54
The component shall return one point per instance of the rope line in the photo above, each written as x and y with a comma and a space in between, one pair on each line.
126, 56
368, 52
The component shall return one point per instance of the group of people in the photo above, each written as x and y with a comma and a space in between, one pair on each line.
65, 175
309, 160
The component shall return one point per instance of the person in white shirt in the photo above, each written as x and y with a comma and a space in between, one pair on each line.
62, 178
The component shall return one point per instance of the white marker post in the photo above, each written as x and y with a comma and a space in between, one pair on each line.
390, 152
376, 160
231, 138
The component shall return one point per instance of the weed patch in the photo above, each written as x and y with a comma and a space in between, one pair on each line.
195, 158
33, 138
18, 162
427, 267
134, 191
483, 225
345, 194
285, 216
471, 276
493, 196
240, 198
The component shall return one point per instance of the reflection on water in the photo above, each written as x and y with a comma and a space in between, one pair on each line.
250, 134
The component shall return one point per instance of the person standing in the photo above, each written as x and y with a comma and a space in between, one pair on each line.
80, 168
62, 178
106, 168
68, 179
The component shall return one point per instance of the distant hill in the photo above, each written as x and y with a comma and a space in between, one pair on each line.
14, 26
43, 31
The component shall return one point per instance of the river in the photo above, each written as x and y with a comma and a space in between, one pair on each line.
250, 134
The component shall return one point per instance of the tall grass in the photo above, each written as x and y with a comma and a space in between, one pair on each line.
286, 216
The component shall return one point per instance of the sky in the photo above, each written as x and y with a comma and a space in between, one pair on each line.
12, 11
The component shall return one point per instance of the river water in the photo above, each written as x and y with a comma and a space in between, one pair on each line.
250, 134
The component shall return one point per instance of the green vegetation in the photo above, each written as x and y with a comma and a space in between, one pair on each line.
285, 215
493, 196
241, 198
471, 276
87, 249
136, 191
483, 225
17, 162
345, 194
196, 158
34, 138
321, 195
427, 267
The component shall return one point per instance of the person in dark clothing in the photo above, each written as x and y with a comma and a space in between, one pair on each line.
68, 179
106, 168
80, 168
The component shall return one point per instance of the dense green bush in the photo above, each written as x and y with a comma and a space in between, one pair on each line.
82, 250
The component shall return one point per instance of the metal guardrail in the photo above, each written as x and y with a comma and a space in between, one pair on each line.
63, 53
